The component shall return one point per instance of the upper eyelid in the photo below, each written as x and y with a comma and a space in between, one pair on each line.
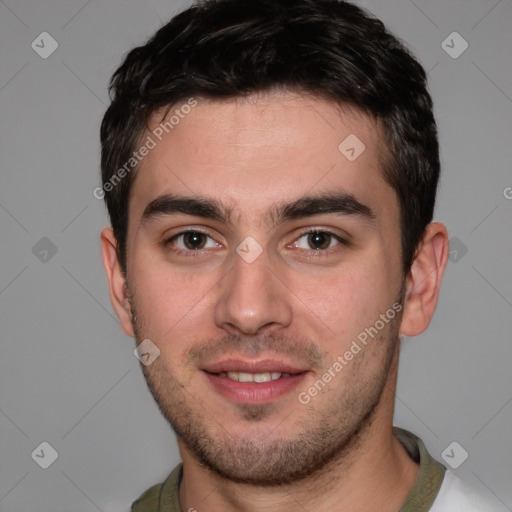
178, 250
343, 237
323, 230
185, 231
302, 232
182, 233
340, 239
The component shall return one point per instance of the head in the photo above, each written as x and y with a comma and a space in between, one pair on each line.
270, 170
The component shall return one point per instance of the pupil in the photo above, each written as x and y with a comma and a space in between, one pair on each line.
319, 240
194, 240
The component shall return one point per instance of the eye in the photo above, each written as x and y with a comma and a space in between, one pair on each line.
192, 241
317, 240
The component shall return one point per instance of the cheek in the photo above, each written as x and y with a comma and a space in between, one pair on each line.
335, 302
170, 305
341, 305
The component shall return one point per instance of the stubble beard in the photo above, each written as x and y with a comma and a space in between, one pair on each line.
332, 430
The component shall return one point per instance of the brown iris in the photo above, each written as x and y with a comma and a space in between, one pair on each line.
319, 240
194, 240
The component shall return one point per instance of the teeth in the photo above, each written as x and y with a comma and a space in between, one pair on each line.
245, 377
253, 377
262, 377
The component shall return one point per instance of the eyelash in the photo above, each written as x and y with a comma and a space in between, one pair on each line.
187, 253
318, 253
312, 252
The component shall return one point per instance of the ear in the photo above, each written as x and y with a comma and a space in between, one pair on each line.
423, 282
116, 281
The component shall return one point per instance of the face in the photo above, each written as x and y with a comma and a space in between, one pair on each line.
259, 255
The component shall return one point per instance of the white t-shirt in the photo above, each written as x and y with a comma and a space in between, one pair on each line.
457, 496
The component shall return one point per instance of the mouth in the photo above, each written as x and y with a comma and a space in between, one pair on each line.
253, 377
250, 382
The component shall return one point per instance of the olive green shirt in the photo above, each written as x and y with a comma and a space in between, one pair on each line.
165, 498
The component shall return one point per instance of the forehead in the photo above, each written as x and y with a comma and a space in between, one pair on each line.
253, 153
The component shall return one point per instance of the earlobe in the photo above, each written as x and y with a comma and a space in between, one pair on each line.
424, 280
116, 281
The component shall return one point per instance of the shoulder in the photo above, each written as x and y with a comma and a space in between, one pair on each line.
149, 501
162, 496
458, 496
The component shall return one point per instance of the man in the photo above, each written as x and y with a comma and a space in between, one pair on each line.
270, 170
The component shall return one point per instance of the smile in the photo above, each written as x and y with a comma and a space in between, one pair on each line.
253, 377
253, 382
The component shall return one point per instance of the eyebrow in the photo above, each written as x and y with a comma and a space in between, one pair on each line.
328, 203
199, 207
340, 203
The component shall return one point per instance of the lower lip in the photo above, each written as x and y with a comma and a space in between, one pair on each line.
254, 392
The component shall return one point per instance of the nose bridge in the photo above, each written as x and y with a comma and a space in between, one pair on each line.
252, 298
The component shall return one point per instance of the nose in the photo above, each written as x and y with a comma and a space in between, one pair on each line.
253, 300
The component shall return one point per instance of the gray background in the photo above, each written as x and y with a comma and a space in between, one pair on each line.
68, 375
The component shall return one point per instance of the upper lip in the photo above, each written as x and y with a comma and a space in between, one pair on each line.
262, 366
